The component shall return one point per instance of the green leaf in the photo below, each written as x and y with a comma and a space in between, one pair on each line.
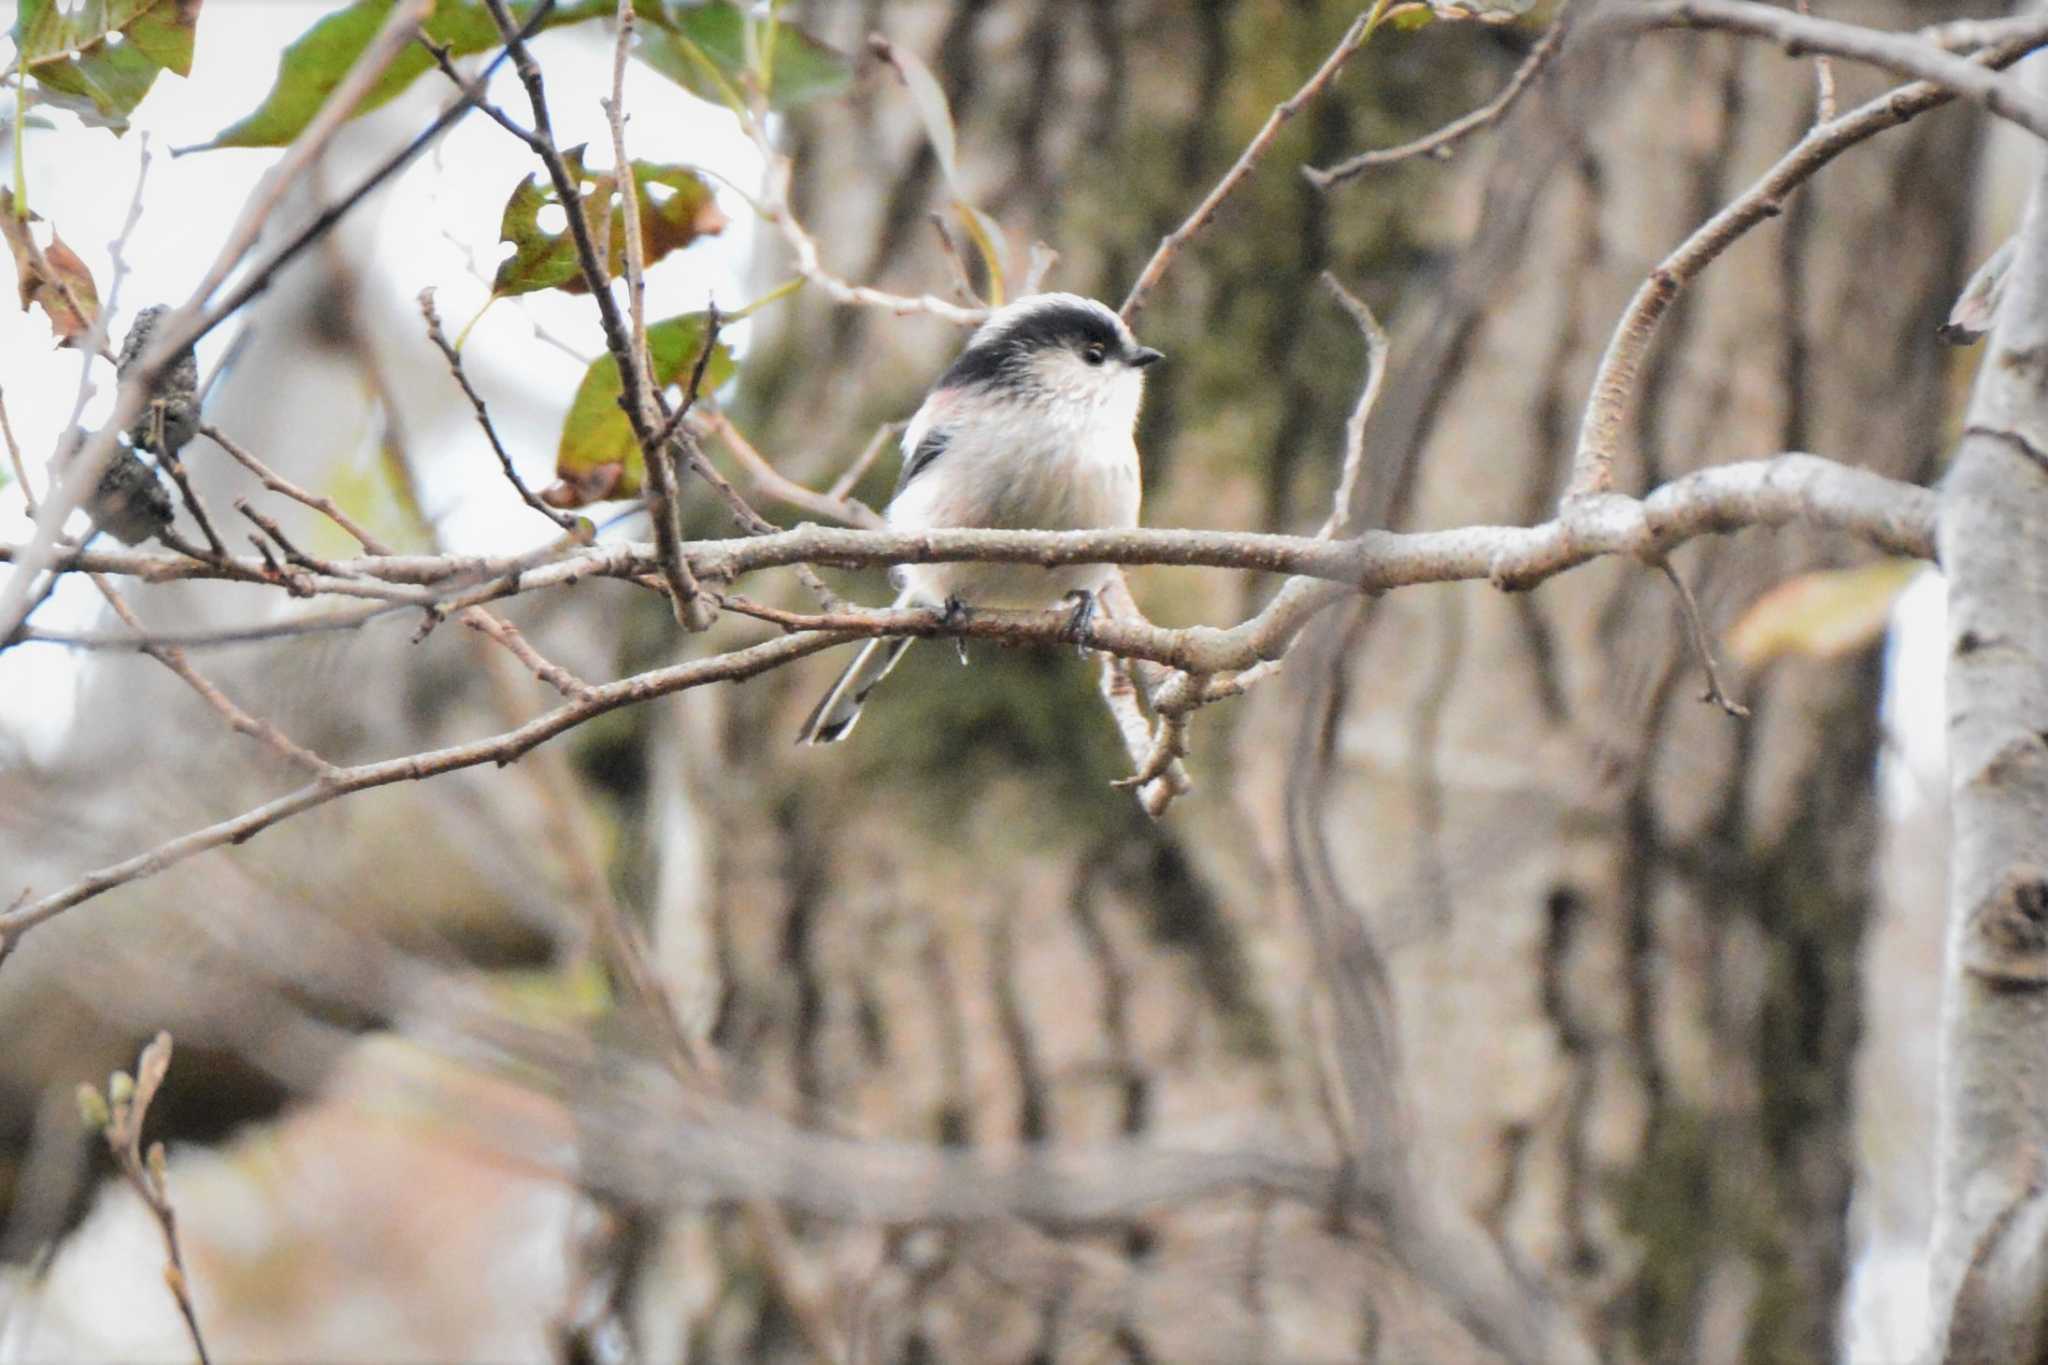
314, 64
703, 48
99, 59
676, 208
599, 457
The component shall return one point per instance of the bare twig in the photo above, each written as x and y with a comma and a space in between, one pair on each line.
1614, 385
693, 609
175, 467
885, 435
963, 284
28, 492
122, 1112
1823, 77
779, 485
1354, 38
483, 415
1444, 141
1345, 499
1043, 259
240, 721
1702, 643
1800, 34
277, 483
775, 207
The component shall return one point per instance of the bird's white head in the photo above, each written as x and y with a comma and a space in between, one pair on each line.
1060, 351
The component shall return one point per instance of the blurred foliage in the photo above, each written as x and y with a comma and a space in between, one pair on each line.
315, 64
99, 58
703, 48
1823, 614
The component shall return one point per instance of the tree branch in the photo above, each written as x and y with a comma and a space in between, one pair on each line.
1614, 385
1801, 34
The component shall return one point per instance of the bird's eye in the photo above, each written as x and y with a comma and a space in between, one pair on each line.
1095, 354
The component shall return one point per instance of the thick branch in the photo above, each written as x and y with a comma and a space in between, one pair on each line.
1989, 1255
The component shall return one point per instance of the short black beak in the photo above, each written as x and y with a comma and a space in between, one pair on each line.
1143, 356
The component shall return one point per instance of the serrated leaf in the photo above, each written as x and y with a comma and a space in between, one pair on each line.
99, 59
47, 289
676, 208
313, 64
1821, 615
597, 437
703, 48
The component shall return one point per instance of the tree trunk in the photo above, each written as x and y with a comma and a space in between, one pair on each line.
1989, 1258
1623, 928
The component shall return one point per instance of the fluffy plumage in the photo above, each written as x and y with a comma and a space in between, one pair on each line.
1031, 428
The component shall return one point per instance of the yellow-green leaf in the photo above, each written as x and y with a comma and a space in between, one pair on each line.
676, 208
1821, 615
598, 456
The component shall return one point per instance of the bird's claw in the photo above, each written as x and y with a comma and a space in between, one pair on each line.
1078, 623
956, 613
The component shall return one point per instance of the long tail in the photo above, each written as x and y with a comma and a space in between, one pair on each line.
833, 720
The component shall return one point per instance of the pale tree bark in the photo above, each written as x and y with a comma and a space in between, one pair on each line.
1622, 929
1989, 1258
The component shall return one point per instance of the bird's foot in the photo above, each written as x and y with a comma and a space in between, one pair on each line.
956, 613
1078, 623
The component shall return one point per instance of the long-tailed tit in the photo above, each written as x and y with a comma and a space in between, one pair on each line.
1031, 429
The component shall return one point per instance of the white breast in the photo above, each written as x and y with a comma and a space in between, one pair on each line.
1019, 470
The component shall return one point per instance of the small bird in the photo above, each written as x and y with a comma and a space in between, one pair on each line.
1030, 429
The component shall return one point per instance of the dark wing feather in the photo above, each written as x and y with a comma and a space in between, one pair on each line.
929, 449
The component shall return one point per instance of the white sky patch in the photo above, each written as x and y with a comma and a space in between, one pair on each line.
437, 225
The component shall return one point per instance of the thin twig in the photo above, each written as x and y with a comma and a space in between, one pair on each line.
1354, 38
775, 207
885, 435
1702, 643
1823, 77
779, 485
123, 1110
1043, 259
277, 483
1799, 34
175, 467
483, 415
1441, 143
1344, 501
963, 283
240, 721
692, 608
28, 492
